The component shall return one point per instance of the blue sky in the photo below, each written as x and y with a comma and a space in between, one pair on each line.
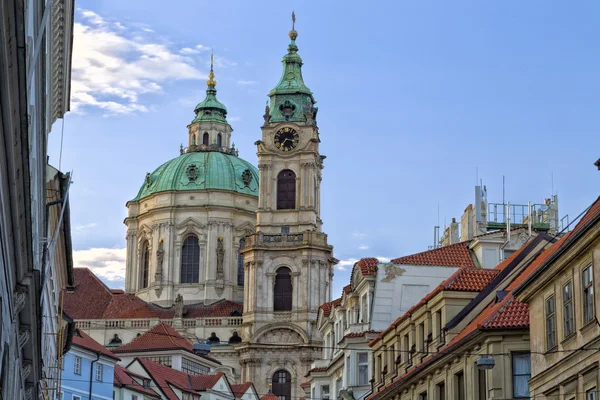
416, 99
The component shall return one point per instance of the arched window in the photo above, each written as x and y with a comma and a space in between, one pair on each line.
286, 190
145, 264
205, 139
190, 260
283, 290
240, 266
281, 385
219, 140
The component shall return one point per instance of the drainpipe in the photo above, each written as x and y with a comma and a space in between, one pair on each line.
92, 373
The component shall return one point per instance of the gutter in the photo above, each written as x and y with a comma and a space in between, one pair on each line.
92, 373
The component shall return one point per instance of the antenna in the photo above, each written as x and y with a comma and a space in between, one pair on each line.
552, 183
503, 190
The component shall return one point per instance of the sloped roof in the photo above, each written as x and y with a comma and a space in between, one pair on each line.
83, 340
469, 279
160, 337
330, 305
165, 376
454, 255
241, 389
347, 289
123, 378
92, 299
269, 396
368, 266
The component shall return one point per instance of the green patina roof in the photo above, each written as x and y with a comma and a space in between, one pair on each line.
291, 98
211, 170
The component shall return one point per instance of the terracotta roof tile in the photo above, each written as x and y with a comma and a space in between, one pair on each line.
326, 307
368, 266
123, 378
165, 376
318, 369
470, 279
160, 337
241, 389
454, 255
269, 396
81, 339
92, 299
347, 289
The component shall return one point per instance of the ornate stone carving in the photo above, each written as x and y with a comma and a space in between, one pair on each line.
19, 296
267, 115
220, 257
179, 306
28, 395
160, 256
26, 368
280, 336
24, 335
246, 177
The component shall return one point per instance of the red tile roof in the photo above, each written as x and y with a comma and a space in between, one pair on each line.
468, 279
83, 340
92, 299
318, 369
269, 396
368, 266
164, 377
347, 289
161, 337
123, 378
241, 389
454, 255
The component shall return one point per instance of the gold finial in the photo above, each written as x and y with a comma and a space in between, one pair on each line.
211, 76
293, 34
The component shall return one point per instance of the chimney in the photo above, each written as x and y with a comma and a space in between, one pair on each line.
454, 238
467, 224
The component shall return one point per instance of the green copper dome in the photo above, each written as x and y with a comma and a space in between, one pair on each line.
210, 170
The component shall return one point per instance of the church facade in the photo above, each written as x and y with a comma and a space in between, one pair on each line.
214, 254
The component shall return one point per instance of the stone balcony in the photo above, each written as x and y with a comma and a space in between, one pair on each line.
306, 238
356, 328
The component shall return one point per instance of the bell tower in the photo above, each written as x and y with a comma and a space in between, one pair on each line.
288, 263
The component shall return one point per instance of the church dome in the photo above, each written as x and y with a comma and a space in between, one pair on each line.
203, 170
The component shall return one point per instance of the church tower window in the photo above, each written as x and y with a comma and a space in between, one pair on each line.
281, 385
219, 140
145, 264
283, 290
286, 190
190, 260
205, 139
240, 264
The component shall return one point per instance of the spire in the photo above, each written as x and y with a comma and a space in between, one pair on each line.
291, 98
211, 109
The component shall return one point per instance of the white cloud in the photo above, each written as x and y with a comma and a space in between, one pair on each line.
197, 49
363, 247
85, 227
384, 259
358, 235
108, 264
111, 70
233, 119
247, 82
343, 265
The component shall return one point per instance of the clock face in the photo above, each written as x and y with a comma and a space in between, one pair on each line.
286, 139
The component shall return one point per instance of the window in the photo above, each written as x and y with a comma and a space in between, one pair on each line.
440, 328
348, 380
521, 372
78, 398
240, 264
283, 290
379, 368
286, 190
481, 384
219, 140
441, 391
363, 368
550, 323
99, 372
588, 295
313, 393
193, 368
164, 360
190, 260
145, 264
281, 385
205, 139
459, 384
590, 394
77, 365
363, 312
423, 339
423, 396
134, 397
568, 309
325, 392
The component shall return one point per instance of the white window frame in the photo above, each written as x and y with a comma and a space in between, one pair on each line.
77, 365
360, 366
588, 291
99, 371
